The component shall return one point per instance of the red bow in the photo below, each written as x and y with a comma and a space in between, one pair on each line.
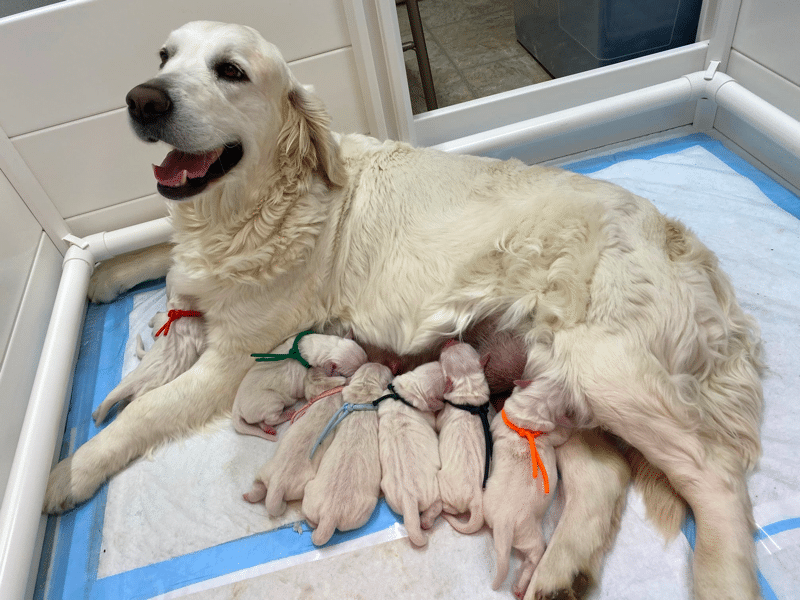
174, 315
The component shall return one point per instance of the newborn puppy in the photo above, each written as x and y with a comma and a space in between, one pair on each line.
409, 449
462, 441
515, 502
270, 387
284, 477
177, 348
345, 490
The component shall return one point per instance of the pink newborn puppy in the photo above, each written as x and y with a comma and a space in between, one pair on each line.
284, 477
515, 502
172, 353
270, 387
462, 441
409, 449
345, 490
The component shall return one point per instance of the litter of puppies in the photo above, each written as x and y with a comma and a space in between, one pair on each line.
422, 439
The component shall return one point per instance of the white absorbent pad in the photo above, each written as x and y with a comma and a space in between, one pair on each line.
174, 524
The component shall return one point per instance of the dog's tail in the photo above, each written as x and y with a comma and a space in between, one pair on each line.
324, 531
503, 536
475, 521
665, 507
412, 522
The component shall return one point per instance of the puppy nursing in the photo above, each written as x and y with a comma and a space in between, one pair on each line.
462, 443
409, 449
515, 501
270, 387
179, 341
285, 476
345, 491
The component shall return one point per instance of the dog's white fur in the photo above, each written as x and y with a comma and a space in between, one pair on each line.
269, 388
409, 449
345, 491
627, 318
462, 443
514, 503
285, 476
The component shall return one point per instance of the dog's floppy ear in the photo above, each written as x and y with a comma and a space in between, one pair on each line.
306, 143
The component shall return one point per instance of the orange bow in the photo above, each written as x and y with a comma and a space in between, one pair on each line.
535, 458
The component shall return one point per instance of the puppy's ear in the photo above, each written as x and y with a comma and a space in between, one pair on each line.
306, 143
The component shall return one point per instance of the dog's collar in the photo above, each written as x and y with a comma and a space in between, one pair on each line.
531, 437
173, 316
294, 353
481, 411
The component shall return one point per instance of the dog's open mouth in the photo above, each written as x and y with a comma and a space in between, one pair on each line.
182, 174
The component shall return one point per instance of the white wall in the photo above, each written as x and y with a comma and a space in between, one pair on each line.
29, 269
765, 58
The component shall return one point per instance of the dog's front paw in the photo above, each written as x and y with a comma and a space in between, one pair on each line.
577, 590
67, 487
59, 497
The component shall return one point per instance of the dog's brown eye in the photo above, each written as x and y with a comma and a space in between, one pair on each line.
164, 56
230, 72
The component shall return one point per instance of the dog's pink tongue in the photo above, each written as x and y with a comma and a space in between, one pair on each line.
171, 172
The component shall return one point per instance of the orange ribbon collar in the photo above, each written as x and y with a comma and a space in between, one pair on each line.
531, 436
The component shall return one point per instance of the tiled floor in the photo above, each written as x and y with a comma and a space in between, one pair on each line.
472, 48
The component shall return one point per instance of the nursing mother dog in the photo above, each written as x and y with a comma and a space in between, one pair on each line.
280, 226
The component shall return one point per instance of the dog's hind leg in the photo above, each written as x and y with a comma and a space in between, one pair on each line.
594, 481
639, 401
165, 413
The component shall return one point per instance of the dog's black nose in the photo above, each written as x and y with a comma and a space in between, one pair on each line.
147, 102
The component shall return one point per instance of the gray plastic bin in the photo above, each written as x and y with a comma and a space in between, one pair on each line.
570, 36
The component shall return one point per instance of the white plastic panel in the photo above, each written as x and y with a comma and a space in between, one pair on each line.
766, 32
120, 215
598, 136
773, 88
759, 145
76, 59
24, 346
19, 238
97, 162
454, 122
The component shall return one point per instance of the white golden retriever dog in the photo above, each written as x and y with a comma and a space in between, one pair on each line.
281, 226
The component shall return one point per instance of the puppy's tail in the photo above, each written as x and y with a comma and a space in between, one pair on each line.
475, 518
411, 521
664, 506
503, 537
324, 531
